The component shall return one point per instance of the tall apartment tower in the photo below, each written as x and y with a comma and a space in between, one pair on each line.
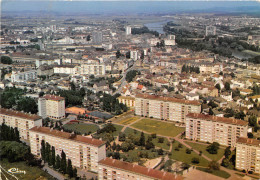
51, 106
128, 30
20, 120
211, 129
165, 108
84, 152
210, 30
248, 154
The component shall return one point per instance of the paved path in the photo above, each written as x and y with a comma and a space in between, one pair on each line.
52, 172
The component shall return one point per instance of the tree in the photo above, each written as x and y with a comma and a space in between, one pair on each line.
121, 136
160, 140
195, 160
142, 140
188, 151
118, 54
127, 55
47, 152
213, 165
58, 162
227, 86
114, 146
250, 135
225, 162
213, 148
218, 87
53, 156
211, 112
75, 172
43, 153
252, 121
63, 164
6, 60
70, 169
88, 38
227, 152
160, 151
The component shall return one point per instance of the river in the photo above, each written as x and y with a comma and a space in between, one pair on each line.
157, 26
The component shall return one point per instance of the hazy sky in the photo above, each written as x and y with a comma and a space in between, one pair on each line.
99, 7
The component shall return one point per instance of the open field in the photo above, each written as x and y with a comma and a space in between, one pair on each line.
182, 156
82, 127
118, 129
128, 120
158, 127
31, 172
201, 147
163, 145
219, 173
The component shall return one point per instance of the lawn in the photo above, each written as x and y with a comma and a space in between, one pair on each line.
81, 127
201, 147
219, 173
182, 156
128, 120
118, 129
163, 145
158, 127
31, 172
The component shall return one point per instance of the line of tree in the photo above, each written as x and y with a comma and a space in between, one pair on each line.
8, 133
58, 162
111, 104
190, 69
72, 97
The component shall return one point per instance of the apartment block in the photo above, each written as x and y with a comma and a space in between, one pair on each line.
83, 152
127, 100
165, 108
248, 154
23, 121
211, 129
115, 169
51, 106
23, 76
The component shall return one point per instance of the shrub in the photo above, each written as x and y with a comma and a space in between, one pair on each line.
188, 151
195, 160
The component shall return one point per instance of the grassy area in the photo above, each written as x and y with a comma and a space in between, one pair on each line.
128, 120
31, 172
118, 129
82, 127
182, 156
201, 147
158, 127
219, 173
164, 145
242, 175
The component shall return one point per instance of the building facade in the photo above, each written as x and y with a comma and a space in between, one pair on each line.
127, 100
165, 108
128, 30
210, 30
248, 155
23, 76
115, 169
51, 106
22, 121
211, 129
83, 152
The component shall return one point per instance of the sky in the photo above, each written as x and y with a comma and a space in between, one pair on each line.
125, 7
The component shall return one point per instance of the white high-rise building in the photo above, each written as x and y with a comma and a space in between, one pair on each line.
128, 30
84, 152
51, 106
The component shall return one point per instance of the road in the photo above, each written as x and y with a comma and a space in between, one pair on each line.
53, 172
123, 81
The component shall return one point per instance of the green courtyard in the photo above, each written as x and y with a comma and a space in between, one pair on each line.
158, 127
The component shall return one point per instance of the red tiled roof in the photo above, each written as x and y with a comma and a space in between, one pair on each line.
53, 97
249, 141
218, 119
171, 99
19, 114
66, 135
156, 174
